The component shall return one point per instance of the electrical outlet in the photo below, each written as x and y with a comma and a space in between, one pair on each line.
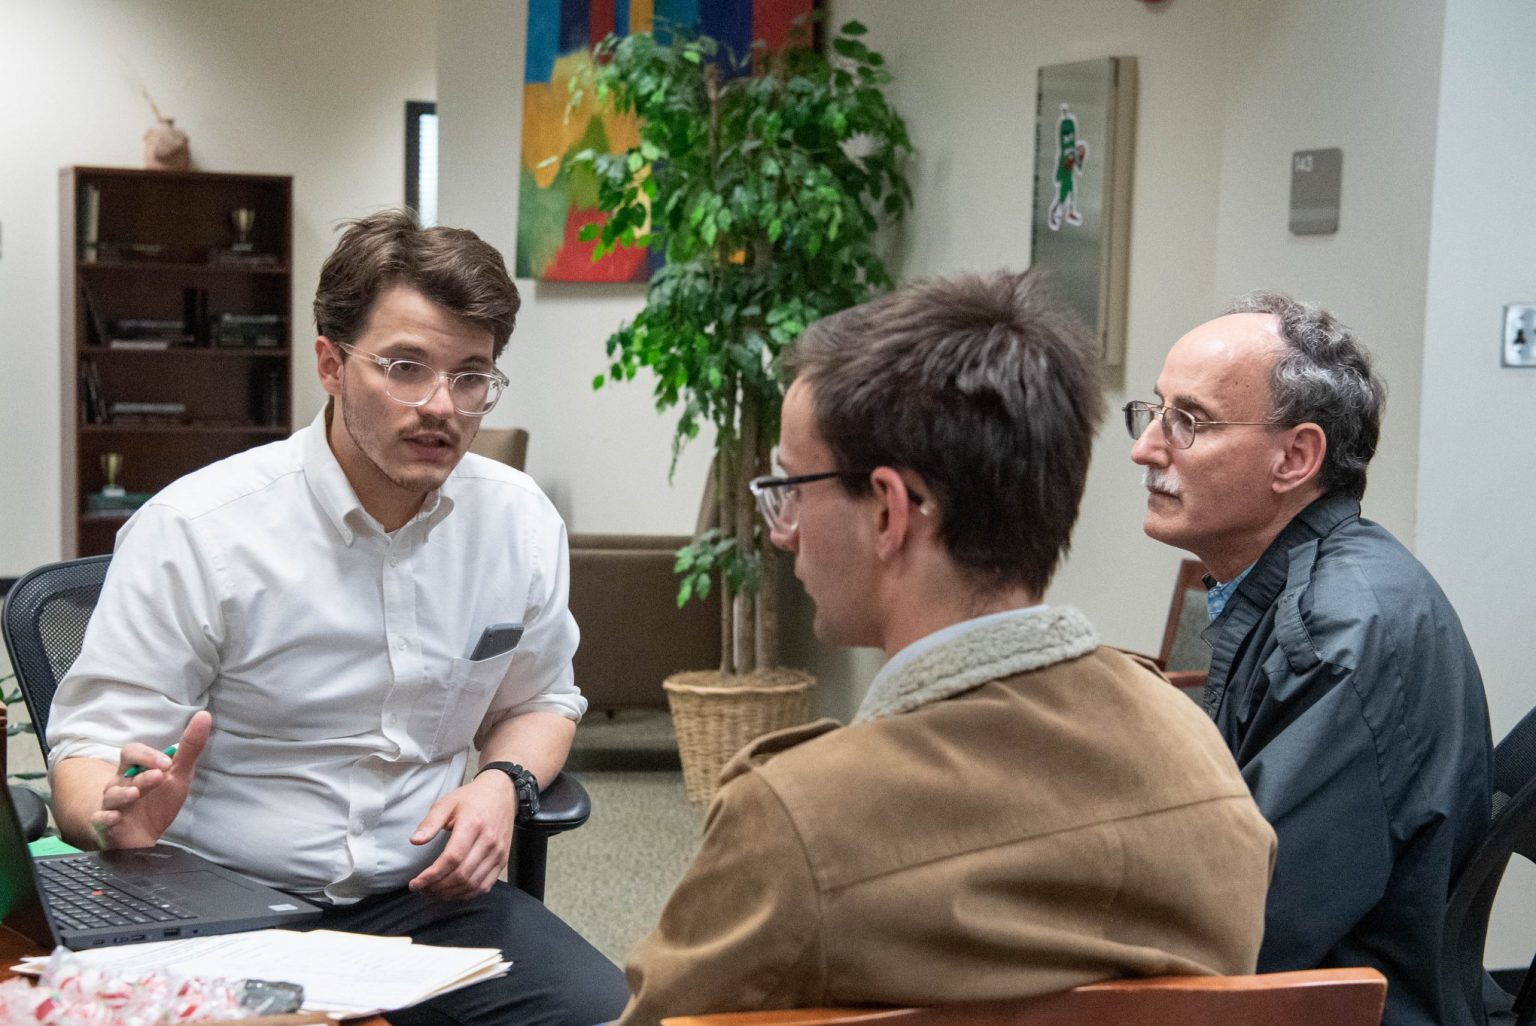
1519, 342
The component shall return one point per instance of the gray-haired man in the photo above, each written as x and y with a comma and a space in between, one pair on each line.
1340, 675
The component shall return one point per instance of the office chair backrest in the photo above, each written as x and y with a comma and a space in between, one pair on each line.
1512, 832
1339, 997
509, 445
44, 623
1514, 762
1185, 657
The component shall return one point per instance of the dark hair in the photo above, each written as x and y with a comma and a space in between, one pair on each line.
1324, 376
453, 267
984, 386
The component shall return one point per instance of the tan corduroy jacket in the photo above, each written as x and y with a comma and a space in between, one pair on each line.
1015, 812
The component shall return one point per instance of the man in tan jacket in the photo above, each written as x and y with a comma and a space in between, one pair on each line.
1015, 809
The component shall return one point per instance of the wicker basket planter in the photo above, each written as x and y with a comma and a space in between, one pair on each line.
715, 716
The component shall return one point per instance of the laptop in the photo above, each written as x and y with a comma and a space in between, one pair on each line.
92, 899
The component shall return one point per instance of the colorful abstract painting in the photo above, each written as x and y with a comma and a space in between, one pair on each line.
553, 202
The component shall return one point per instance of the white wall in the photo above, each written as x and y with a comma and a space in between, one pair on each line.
283, 87
1361, 76
601, 456
966, 84
1476, 479
1227, 91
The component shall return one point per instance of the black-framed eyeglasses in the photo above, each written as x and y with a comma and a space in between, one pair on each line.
1179, 426
412, 383
778, 497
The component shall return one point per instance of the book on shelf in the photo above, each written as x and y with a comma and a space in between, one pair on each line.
147, 412
148, 333
108, 252
93, 404
90, 223
127, 502
239, 258
95, 325
153, 343
248, 331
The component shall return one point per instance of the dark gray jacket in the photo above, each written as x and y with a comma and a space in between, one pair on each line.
1342, 681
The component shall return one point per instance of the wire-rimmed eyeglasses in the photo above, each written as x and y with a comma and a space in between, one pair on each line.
412, 383
778, 497
1179, 426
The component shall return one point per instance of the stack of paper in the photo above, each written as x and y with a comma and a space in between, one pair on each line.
343, 974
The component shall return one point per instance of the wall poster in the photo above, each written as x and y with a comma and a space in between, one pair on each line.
553, 204
1085, 126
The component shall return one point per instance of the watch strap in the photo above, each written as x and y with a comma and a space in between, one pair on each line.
526, 783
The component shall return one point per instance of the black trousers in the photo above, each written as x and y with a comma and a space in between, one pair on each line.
557, 979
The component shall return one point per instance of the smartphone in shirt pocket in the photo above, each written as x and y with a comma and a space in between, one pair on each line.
452, 711
495, 640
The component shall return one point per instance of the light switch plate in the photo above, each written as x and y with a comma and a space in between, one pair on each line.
1518, 346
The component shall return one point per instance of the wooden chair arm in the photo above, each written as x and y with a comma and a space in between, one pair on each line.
1340, 997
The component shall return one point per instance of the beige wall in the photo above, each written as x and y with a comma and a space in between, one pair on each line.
1309, 74
284, 86
966, 83
1476, 478
601, 456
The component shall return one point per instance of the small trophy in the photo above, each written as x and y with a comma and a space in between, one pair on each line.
244, 219
111, 466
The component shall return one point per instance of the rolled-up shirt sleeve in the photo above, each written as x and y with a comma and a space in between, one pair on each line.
539, 677
151, 648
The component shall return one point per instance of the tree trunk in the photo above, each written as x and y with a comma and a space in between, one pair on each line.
769, 560
727, 493
746, 465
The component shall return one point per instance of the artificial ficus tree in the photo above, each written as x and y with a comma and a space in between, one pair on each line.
763, 180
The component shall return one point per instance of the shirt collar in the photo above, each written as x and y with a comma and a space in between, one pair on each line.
329, 485
1218, 592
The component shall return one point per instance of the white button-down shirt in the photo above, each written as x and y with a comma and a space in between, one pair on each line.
333, 656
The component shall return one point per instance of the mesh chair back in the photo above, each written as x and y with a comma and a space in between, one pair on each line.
1514, 762
1511, 832
44, 625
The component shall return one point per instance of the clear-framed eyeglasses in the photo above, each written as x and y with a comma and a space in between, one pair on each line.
412, 383
778, 498
1179, 426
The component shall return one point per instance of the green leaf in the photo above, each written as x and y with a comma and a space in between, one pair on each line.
854, 28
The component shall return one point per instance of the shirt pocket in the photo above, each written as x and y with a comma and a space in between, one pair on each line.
470, 688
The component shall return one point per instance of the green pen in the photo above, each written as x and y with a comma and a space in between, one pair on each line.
134, 771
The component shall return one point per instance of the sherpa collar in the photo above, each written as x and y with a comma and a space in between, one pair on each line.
1030, 641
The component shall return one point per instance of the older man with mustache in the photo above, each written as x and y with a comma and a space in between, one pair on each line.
1340, 676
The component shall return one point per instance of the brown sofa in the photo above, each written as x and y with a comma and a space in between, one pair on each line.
633, 635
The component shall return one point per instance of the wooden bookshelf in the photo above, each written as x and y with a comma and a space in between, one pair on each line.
177, 341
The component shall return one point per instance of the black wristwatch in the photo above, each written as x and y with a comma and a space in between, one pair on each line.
526, 783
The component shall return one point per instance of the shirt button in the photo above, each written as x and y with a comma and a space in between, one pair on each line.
394, 561
357, 829
400, 643
391, 720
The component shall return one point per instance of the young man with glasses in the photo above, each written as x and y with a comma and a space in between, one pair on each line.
1340, 676
302, 619
1015, 809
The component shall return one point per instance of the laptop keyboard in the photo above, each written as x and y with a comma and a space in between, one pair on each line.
84, 895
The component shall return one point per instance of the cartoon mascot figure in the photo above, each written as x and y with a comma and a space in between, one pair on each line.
1071, 155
